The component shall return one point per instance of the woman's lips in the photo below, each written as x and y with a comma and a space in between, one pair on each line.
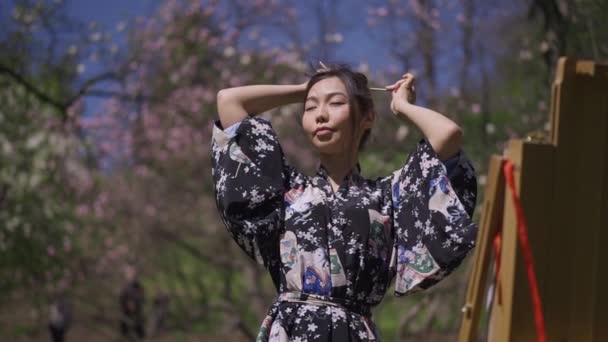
323, 132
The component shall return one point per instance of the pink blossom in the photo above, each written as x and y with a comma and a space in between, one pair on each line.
67, 244
76, 108
417, 8
542, 106
382, 11
208, 95
235, 81
208, 11
150, 210
460, 18
97, 121
203, 34
193, 9
108, 242
213, 41
106, 147
476, 108
168, 9
142, 171
82, 210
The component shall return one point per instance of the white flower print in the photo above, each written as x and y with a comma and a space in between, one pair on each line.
320, 225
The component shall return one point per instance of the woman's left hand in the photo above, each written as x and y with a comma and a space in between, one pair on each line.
403, 90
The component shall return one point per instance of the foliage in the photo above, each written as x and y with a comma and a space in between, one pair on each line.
93, 197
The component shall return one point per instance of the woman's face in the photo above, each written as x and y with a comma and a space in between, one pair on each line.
327, 118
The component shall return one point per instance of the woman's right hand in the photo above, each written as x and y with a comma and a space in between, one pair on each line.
403, 90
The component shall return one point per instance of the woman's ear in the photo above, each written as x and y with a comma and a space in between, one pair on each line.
368, 120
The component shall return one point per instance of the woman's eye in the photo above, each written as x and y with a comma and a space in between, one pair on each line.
337, 103
309, 109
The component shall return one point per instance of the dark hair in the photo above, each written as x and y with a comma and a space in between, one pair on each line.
359, 96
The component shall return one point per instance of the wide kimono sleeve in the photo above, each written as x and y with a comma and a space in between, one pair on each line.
250, 177
432, 210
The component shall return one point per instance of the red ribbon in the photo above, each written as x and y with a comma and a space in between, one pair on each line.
522, 234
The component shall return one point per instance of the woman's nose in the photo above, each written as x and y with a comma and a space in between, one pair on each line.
322, 115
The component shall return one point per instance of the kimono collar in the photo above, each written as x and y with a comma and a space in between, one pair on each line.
353, 176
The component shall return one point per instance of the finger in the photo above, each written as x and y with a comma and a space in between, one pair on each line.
394, 85
402, 83
401, 87
391, 85
409, 78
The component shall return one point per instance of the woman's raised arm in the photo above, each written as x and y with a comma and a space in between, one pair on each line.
234, 104
444, 135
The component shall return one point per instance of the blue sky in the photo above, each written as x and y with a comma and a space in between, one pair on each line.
108, 14
358, 46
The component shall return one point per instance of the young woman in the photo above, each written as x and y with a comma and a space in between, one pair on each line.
334, 241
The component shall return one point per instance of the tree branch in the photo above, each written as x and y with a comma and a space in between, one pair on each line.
32, 89
84, 90
106, 76
119, 95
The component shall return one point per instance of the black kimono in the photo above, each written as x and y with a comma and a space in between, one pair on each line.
332, 255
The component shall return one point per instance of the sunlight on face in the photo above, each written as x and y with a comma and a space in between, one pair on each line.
326, 120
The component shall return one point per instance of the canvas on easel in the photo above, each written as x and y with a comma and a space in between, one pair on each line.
562, 183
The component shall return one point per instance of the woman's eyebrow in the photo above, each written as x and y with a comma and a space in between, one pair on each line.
314, 98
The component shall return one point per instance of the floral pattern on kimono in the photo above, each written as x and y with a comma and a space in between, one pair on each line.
332, 255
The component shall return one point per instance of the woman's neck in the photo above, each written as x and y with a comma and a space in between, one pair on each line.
337, 167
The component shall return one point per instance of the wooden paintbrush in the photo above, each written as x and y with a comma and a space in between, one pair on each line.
411, 95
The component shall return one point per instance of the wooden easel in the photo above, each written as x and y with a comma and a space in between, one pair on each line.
562, 182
